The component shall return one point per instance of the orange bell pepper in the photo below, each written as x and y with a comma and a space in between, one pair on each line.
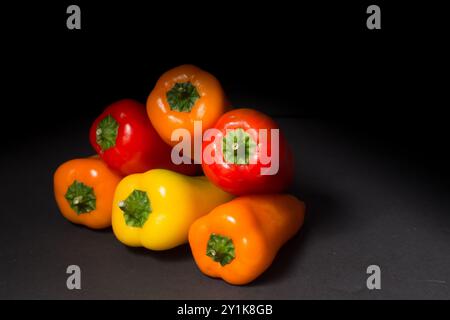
84, 191
237, 241
181, 96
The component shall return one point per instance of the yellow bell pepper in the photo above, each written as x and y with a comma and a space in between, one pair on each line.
155, 209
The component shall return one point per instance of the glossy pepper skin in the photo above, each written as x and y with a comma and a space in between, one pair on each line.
84, 189
125, 139
156, 208
238, 175
181, 96
237, 241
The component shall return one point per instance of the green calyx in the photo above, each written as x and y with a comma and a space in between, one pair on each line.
106, 133
80, 197
238, 146
220, 249
182, 96
136, 208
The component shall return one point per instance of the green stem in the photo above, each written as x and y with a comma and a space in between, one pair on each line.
81, 197
182, 96
136, 208
106, 133
238, 146
220, 249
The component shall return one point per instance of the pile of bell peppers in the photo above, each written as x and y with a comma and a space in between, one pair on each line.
234, 218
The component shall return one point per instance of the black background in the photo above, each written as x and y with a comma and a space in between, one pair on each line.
380, 95
316, 59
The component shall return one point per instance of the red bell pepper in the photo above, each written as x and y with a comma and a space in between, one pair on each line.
241, 173
126, 140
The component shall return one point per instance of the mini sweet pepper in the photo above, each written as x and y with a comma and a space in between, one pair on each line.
125, 139
84, 189
155, 209
241, 150
183, 95
237, 241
